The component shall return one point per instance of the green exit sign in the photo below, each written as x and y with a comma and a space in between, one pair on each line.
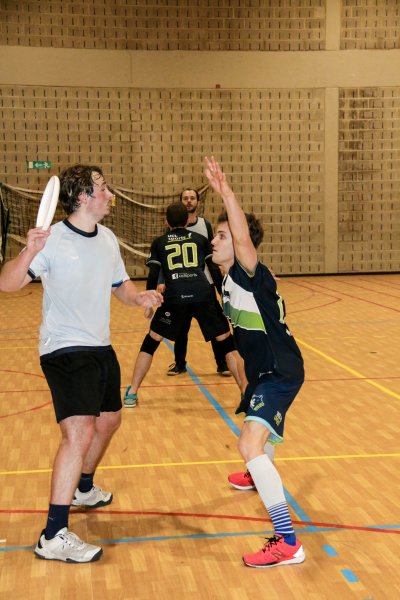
38, 164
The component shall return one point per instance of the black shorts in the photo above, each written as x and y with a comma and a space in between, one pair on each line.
169, 319
268, 400
85, 382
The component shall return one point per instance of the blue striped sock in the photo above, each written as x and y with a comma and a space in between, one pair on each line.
282, 522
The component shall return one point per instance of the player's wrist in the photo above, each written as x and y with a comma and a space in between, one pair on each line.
139, 298
29, 252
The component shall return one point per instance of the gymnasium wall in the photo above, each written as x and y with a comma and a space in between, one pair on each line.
299, 99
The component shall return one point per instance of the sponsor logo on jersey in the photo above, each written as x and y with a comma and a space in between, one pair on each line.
183, 275
175, 237
278, 418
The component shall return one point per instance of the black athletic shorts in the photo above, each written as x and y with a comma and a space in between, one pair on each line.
169, 319
83, 382
268, 400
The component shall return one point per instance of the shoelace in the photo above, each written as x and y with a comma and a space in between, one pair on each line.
247, 475
72, 540
271, 541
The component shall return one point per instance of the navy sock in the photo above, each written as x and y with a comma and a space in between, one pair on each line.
56, 519
290, 538
86, 482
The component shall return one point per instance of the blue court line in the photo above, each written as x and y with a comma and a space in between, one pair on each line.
10, 548
349, 575
209, 396
161, 538
158, 538
233, 427
299, 511
330, 551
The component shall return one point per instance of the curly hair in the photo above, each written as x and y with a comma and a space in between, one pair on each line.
256, 230
74, 181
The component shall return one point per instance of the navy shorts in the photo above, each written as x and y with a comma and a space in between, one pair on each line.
84, 382
268, 401
170, 319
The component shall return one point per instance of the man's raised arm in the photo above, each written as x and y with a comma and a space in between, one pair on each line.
14, 274
245, 251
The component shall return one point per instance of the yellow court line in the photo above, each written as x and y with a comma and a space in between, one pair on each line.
212, 462
349, 370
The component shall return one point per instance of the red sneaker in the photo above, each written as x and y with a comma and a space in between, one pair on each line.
276, 552
241, 481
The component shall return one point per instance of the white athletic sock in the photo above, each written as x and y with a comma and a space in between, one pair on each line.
267, 480
269, 485
269, 450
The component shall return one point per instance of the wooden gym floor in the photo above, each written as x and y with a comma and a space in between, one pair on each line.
175, 528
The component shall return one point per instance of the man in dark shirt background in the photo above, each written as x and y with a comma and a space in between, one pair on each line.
191, 200
181, 255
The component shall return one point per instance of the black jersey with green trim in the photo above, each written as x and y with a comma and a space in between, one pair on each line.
182, 255
257, 313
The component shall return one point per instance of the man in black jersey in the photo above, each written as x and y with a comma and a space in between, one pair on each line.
181, 255
190, 199
272, 362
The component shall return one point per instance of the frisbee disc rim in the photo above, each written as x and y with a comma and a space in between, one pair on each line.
48, 203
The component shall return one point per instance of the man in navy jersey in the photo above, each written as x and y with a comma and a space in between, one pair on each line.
80, 266
272, 361
181, 255
190, 199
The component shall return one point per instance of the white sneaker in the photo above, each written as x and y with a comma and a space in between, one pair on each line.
95, 498
68, 547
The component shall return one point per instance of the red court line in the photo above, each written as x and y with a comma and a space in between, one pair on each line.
22, 373
292, 312
25, 392
380, 282
302, 285
354, 297
300, 300
368, 289
190, 384
26, 410
155, 513
220, 383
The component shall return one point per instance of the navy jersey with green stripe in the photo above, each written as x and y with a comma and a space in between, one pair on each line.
257, 313
182, 255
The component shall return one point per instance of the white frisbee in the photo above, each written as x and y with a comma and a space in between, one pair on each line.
48, 203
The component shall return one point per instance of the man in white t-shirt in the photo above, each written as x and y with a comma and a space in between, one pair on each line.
80, 265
